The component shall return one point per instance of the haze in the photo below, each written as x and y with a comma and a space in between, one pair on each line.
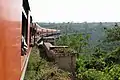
75, 10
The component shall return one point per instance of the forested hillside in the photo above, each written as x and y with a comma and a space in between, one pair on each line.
96, 31
97, 46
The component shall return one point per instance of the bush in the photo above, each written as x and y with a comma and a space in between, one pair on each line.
39, 69
93, 74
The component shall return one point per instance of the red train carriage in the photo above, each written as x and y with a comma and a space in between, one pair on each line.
15, 21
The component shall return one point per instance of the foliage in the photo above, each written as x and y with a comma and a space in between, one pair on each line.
113, 34
93, 74
39, 69
101, 64
102, 67
74, 41
102, 61
65, 51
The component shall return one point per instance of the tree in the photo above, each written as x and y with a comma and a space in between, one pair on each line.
113, 34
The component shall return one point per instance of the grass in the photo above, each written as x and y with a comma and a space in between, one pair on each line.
40, 69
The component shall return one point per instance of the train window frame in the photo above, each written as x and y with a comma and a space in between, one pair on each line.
24, 31
31, 30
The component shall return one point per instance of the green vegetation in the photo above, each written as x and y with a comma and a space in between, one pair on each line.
73, 41
97, 47
40, 69
64, 51
100, 66
98, 52
99, 63
95, 30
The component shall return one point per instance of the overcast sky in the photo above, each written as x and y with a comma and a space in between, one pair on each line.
75, 10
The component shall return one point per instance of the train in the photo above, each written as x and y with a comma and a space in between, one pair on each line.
16, 21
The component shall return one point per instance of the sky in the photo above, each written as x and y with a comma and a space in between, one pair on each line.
75, 10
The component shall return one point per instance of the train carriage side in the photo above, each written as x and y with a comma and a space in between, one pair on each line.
15, 21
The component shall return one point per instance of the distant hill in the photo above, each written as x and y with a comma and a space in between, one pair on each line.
96, 30
79, 27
